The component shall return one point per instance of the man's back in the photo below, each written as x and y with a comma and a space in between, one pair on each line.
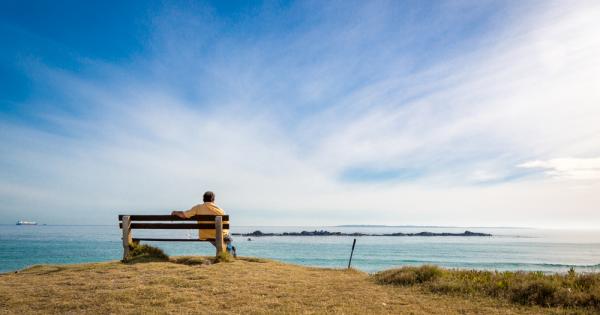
207, 208
204, 208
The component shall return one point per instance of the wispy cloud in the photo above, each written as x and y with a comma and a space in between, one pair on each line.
568, 168
317, 113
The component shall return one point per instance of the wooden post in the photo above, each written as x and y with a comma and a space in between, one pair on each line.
127, 239
219, 234
351, 253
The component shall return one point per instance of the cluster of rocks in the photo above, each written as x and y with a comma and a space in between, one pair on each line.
327, 233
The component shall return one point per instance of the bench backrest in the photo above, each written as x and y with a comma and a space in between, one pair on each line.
207, 222
211, 224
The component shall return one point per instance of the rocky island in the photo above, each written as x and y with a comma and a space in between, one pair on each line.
327, 233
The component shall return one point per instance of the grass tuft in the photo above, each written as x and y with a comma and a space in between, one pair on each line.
526, 288
145, 253
224, 257
409, 275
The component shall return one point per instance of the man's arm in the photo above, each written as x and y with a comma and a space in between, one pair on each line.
179, 214
185, 214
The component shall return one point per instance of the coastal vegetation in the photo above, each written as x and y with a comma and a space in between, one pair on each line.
245, 286
570, 290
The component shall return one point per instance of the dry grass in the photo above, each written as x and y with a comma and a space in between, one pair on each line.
242, 286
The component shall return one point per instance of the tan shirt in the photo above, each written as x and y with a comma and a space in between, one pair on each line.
206, 208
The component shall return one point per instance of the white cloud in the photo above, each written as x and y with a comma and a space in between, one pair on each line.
568, 168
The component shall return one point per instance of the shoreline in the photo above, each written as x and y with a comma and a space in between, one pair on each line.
565, 267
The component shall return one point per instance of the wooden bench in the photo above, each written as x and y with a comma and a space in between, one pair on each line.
170, 222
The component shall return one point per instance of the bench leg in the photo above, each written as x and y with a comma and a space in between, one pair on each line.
219, 234
127, 237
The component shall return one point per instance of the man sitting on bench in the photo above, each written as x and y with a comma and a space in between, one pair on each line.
207, 208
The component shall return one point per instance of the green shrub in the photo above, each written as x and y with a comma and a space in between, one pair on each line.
528, 288
586, 281
448, 287
139, 253
536, 292
409, 275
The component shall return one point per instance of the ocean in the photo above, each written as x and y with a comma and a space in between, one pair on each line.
507, 249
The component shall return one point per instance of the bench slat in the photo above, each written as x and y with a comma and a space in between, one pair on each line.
144, 217
174, 226
172, 240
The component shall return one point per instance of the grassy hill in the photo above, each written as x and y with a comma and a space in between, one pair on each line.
246, 285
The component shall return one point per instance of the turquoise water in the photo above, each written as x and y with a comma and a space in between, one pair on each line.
508, 249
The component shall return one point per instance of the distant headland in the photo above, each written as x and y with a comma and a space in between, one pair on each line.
327, 233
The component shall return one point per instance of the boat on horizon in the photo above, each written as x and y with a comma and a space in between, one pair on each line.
26, 223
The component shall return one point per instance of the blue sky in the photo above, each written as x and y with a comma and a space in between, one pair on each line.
302, 113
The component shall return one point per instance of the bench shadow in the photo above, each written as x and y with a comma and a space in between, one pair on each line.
191, 260
253, 259
182, 260
41, 269
144, 259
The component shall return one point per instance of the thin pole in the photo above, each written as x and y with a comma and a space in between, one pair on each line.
352, 252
